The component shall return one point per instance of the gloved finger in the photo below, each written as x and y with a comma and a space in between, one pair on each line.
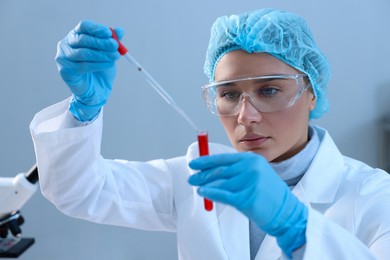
216, 194
119, 32
93, 29
240, 199
76, 41
236, 182
240, 165
232, 179
211, 161
235, 174
83, 67
206, 176
86, 55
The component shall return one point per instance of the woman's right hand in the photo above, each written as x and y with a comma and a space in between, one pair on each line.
86, 61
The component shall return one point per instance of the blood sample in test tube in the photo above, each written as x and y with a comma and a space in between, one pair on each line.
204, 150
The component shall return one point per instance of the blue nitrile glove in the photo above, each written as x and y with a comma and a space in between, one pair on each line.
86, 61
247, 182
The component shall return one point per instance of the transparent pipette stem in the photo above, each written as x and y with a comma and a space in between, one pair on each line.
160, 90
123, 51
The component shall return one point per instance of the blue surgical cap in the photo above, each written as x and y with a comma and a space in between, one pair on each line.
284, 35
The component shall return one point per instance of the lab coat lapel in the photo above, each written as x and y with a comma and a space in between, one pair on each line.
316, 186
234, 228
322, 180
269, 249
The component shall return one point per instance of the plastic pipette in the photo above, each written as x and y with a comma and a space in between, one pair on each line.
202, 135
160, 90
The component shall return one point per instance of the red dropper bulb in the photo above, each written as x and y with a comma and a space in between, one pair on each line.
121, 49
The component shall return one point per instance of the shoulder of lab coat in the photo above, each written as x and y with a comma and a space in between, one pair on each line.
346, 200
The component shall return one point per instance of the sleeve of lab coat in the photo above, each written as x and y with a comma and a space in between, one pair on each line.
79, 182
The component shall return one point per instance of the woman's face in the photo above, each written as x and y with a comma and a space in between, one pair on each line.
275, 135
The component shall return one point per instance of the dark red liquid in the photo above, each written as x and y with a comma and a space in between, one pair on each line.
203, 143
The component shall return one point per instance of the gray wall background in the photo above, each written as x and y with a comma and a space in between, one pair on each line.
169, 38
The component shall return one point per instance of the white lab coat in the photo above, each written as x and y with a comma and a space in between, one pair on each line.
349, 202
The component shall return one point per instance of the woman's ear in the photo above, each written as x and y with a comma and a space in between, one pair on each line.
313, 101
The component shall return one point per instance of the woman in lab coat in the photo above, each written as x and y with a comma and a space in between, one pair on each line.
283, 191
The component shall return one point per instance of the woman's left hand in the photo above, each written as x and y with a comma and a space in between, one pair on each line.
247, 182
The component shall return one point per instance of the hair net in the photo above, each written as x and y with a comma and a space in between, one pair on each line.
284, 35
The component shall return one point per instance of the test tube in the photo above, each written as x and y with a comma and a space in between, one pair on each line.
204, 150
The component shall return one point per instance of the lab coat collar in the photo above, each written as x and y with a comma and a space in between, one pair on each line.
319, 185
323, 177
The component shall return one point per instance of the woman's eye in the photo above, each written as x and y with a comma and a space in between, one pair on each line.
269, 91
230, 95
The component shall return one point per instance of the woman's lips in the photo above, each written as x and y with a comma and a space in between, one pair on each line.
253, 140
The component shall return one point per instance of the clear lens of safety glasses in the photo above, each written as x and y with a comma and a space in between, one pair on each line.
266, 93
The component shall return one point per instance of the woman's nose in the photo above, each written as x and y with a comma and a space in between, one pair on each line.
248, 113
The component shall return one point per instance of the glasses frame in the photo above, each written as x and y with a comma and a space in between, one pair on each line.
296, 77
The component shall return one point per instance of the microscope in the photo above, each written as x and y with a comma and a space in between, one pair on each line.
14, 193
